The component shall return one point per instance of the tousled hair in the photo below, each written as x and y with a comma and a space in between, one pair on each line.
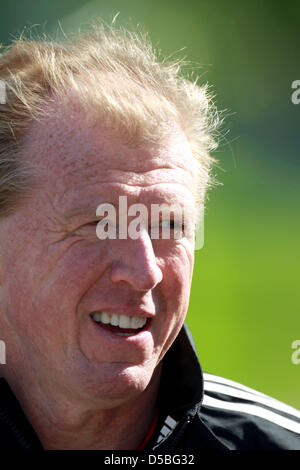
117, 76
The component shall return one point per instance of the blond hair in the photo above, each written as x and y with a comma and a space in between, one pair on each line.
117, 76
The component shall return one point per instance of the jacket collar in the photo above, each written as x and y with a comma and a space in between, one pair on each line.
15, 430
180, 399
181, 388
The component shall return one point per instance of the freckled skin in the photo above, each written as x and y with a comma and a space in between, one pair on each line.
55, 272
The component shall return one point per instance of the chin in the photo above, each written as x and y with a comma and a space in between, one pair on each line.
112, 384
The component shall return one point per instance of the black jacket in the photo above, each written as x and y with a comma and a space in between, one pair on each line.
196, 412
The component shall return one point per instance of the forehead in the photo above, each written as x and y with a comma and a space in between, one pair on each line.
73, 154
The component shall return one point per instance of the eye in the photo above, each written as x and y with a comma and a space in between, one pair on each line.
167, 224
88, 226
169, 229
172, 224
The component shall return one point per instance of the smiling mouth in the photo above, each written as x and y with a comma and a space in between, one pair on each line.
120, 325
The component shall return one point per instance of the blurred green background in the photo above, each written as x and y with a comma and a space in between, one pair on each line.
244, 309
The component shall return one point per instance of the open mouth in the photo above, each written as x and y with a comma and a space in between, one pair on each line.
120, 325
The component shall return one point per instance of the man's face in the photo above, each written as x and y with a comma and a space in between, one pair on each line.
56, 272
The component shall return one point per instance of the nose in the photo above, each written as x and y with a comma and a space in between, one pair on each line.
137, 264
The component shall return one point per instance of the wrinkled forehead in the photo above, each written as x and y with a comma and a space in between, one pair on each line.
67, 147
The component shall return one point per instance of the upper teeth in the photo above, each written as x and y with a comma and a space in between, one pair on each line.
122, 321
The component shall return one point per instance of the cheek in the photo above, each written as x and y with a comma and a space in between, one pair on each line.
45, 290
177, 280
78, 265
177, 283
178, 266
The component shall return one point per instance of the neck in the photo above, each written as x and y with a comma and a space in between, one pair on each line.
64, 423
